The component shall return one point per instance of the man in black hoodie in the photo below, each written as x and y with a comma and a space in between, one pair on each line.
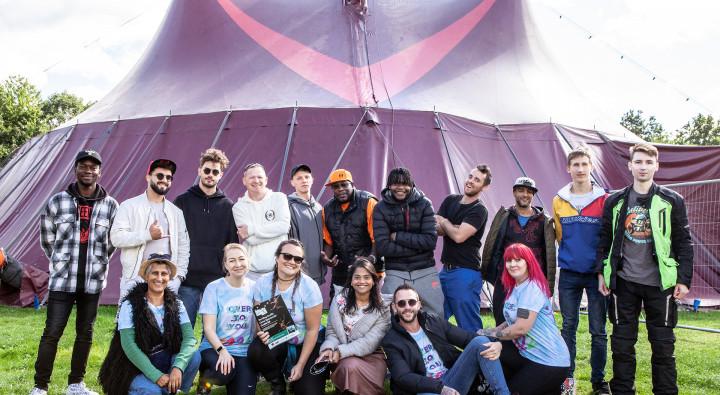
75, 236
210, 225
405, 236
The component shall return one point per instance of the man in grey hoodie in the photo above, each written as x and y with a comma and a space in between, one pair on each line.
306, 221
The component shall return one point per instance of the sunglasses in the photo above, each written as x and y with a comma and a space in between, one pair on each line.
297, 259
319, 367
161, 176
208, 170
406, 302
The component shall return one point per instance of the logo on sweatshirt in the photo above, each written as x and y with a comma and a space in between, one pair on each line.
270, 215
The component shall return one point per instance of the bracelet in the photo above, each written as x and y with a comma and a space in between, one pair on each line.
219, 349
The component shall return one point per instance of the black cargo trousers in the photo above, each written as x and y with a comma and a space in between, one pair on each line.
660, 306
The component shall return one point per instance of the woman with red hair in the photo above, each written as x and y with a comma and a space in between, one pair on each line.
537, 360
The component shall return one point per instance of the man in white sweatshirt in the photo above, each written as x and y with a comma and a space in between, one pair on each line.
262, 218
149, 223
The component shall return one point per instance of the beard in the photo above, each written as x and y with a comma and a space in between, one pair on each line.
156, 188
521, 205
212, 184
407, 321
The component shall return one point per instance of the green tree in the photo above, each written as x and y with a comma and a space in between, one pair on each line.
20, 114
701, 130
60, 107
24, 114
647, 129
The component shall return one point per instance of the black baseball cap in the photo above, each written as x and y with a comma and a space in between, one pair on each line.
164, 163
300, 167
88, 154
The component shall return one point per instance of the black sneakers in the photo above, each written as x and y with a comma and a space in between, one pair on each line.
601, 388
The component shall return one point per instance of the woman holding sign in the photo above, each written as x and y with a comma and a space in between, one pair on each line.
301, 295
229, 327
356, 324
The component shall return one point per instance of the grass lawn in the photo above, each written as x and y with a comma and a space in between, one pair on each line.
698, 353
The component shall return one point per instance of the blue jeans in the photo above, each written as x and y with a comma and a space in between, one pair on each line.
191, 298
470, 363
141, 385
461, 288
570, 288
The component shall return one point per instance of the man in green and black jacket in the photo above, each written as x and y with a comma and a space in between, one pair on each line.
645, 258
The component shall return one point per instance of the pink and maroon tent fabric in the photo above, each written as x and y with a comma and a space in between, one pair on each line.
435, 86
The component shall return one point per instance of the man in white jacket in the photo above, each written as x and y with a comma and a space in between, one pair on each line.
149, 223
262, 218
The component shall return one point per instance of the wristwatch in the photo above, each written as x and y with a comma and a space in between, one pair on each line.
219, 349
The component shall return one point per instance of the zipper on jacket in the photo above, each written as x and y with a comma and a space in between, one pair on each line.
661, 215
617, 319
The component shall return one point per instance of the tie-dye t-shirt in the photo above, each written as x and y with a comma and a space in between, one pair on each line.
306, 296
235, 322
543, 344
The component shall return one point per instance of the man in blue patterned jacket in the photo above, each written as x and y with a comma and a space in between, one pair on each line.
75, 236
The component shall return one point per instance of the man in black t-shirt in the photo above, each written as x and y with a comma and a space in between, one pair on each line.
461, 221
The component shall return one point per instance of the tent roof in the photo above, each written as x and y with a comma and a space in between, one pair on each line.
480, 59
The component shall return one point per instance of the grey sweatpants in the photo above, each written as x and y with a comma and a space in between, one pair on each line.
425, 281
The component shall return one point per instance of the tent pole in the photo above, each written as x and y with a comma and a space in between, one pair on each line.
142, 154
567, 141
291, 130
439, 125
62, 138
517, 161
337, 162
217, 136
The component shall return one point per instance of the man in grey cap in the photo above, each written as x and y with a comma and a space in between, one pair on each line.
74, 235
520, 223
306, 221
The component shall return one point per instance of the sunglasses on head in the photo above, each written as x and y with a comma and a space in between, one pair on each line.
295, 258
208, 170
406, 302
161, 176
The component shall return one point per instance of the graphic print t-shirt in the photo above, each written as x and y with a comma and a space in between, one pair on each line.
234, 319
125, 320
543, 343
434, 366
84, 208
638, 263
306, 296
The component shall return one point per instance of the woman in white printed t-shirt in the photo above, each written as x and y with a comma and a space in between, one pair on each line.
301, 294
229, 327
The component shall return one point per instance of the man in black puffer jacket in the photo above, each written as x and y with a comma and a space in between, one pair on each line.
405, 237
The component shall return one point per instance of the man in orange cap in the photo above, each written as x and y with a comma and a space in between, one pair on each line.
347, 226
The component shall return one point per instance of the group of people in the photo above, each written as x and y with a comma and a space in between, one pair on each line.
389, 307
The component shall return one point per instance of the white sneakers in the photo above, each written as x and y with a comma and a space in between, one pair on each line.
79, 389
568, 386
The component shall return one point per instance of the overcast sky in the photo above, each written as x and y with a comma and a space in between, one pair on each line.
87, 46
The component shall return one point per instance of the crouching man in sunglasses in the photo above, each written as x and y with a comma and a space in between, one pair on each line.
423, 356
150, 224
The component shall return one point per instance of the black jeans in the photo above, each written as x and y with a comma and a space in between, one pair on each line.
241, 379
59, 306
526, 377
661, 317
271, 364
